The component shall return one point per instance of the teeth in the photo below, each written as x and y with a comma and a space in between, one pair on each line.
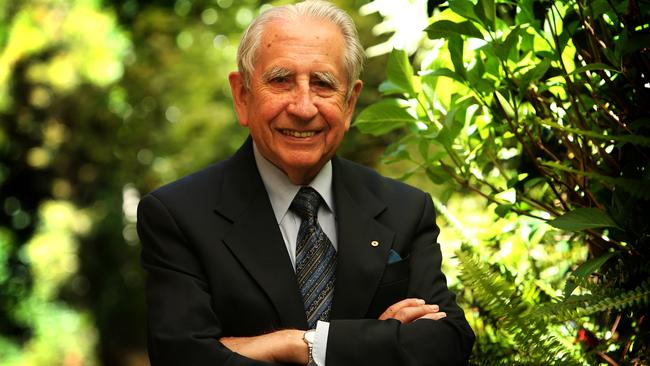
298, 133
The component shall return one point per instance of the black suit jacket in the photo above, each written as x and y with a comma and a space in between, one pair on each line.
218, 266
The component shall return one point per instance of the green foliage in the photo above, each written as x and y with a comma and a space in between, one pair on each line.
384, 116
581, 219
537, 107
524, 331
583, 271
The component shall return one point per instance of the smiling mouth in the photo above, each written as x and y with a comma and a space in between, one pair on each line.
299, 134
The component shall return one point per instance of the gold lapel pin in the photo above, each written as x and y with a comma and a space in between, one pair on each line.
374, 243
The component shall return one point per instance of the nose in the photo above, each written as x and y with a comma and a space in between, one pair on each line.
302, 103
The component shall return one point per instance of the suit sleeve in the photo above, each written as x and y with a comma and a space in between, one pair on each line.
182, 327
423, 342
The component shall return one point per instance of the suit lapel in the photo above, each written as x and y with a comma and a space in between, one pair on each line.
363, 244
255, 238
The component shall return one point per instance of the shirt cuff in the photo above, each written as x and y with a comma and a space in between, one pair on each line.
320, 342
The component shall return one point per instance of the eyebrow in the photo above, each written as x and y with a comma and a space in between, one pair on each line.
328, 77
276, 72
282, 72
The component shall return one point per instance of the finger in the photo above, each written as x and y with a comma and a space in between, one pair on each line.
393, 309
434, 316
409, 314
229, 342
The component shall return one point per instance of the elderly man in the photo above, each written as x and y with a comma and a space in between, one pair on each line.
285, 253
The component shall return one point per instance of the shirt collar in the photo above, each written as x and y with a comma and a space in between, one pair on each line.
280, 189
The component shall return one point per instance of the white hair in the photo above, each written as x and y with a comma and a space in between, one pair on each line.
353, 56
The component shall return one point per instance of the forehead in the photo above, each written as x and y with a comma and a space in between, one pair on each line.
309, 44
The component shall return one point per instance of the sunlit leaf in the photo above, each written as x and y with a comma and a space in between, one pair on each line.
447, 28
443, 71
383, 116
400, 72
464, 8
388, 88
507, 108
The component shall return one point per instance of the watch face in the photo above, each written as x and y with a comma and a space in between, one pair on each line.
310, 336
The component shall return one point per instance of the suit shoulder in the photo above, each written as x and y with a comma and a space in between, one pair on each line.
199, 185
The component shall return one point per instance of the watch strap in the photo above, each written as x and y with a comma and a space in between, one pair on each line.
310, 346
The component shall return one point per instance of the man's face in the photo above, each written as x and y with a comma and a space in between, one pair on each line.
296, 108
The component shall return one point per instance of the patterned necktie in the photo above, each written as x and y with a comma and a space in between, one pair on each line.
315, 258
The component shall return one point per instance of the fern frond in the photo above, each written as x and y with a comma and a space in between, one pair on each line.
504, 302
584, 305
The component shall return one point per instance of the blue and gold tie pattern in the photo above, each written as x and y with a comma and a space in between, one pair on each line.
315, 258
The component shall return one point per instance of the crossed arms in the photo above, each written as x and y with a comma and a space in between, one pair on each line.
287, 346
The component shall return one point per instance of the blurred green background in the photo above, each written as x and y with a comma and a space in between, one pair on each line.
102, 101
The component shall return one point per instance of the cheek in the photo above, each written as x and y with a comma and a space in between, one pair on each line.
336, 118
267, 107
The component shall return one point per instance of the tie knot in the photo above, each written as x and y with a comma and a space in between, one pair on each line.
306, 203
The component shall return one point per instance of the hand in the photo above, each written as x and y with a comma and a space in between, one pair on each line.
409, 310
283, 346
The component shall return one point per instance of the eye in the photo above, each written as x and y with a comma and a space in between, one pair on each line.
279, 80
321, 84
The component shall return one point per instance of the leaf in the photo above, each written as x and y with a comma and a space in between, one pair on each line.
503, 210
400, 72
591, 67
502, 49
437, 174
568, 31
443, 71
388, 88
490, 12
423, 147
547, 55
582, 219
536, 72
456, 53
505, 104
451, 127
636, 188
584, 270
397, 152
633, 44
591, 265
383, 116
464, 8
486, 11
533, 75
632, 139
447, 28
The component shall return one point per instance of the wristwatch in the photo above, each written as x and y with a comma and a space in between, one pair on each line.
309, 337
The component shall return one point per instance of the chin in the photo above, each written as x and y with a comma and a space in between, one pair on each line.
303, 159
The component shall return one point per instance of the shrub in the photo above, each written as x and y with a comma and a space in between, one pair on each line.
542, 108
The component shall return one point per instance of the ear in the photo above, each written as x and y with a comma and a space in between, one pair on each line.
239, 96
352, 102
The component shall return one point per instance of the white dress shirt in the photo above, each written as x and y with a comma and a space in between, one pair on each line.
281, 193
